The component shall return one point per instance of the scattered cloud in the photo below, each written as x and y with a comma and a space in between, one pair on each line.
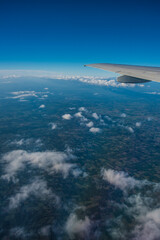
138, 124
53, 126
42, 106
37, 188
140, 206
23, 94
82, 109
78, 114
123, 115
90, 124
153, 93
130, 129
95, 115
104, 82
108, 118
67, 116
27, 141
95, 130
120, 180
78, 227
50, 161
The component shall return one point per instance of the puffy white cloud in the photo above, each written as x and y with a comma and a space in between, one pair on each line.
119, 179
138, 124
95, 115
78, 114
95, 130
75, 226
90, 124
42, 106
53, 126
67, 116
37, 188
50, 161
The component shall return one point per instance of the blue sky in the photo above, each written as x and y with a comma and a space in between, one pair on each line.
62, 35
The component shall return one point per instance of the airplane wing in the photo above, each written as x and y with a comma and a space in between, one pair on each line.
130, 73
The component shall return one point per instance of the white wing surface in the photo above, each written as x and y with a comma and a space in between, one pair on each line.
131, 73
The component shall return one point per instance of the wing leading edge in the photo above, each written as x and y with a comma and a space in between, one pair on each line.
130, 73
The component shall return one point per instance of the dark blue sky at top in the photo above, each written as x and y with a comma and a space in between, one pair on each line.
43, 34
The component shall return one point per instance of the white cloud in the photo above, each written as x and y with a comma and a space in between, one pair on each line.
153, 93
75, 226
140, 206
46, 88
90, 124
104, 82
78, 114
53, 126
129, 129
42, 106
95, 115
37, 188
119, 179
50, 161
24, 94
67, 116
123, 115
95, 130
27, 141
82, 109
138, 124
